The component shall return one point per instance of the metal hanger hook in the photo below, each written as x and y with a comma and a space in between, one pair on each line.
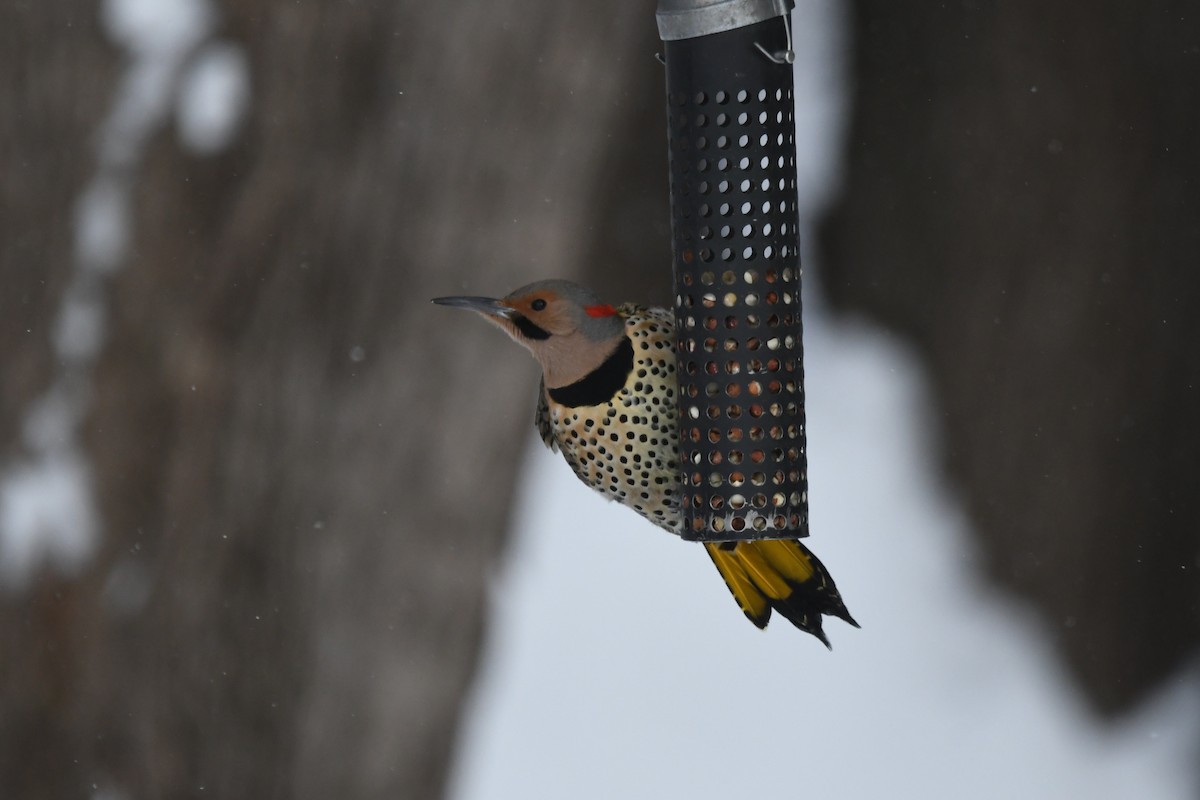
787, 56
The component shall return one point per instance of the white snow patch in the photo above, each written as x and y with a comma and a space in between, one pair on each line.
102, 223
46, 517
819, 37
213, 98
79, 330
156, 28
159, 36
47, 511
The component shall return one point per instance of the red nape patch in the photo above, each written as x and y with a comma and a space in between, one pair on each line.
600, 311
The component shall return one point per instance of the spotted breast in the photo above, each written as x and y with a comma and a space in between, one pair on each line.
616, 427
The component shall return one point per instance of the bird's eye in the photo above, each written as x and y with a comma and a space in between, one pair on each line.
538, 305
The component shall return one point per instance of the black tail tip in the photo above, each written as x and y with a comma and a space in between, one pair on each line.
811, 619
843, 614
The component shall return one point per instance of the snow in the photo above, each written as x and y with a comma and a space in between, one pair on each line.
213, 98
820, 39
47, 510
618, 665
79, 329
156, 28
102, 224
158, 37
46, 516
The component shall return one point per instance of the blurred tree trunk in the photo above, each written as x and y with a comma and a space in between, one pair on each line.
306, 465
1021, 201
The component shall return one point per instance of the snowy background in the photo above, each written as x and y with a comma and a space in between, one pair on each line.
618, 665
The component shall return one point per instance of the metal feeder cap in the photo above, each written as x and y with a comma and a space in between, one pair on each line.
687, 19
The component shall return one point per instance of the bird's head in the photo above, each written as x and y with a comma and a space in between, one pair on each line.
566, 328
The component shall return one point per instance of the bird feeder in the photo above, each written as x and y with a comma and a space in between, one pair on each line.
736, 268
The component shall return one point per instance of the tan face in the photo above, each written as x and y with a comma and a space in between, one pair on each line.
560, 323
545, 310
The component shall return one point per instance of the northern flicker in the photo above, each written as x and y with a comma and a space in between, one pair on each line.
607, 402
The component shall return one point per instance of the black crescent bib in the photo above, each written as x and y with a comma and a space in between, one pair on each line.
599, 385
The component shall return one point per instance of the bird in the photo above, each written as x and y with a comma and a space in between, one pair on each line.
607, 403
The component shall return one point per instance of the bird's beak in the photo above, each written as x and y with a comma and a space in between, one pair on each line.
484, 305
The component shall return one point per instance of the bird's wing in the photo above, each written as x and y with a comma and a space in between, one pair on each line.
541, 418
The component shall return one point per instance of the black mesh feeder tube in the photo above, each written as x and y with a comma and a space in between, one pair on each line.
736, 268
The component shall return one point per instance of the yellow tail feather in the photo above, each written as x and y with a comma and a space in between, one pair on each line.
779, 575
788, 558
752, 602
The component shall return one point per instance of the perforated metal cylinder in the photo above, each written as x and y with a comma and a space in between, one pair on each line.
737, 281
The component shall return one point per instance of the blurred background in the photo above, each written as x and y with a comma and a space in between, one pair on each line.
261, 534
